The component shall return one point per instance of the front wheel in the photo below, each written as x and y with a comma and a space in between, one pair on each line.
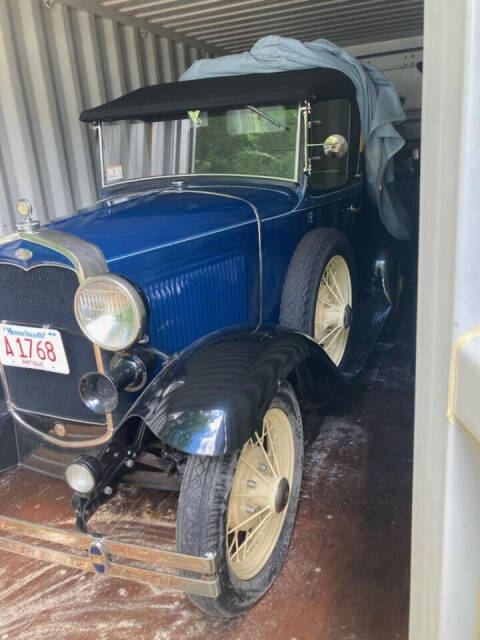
242, 506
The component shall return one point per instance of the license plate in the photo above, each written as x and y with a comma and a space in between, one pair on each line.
32, 348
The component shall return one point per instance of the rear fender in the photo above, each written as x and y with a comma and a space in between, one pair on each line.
212, 397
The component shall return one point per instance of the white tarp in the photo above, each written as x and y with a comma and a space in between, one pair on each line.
378, 102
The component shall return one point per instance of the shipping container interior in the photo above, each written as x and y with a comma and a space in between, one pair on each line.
348, 570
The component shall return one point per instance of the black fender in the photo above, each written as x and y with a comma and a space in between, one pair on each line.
210, 399
387, 274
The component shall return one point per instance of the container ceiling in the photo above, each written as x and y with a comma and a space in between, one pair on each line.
234, 25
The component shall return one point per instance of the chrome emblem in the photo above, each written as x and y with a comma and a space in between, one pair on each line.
100, 557
23, 254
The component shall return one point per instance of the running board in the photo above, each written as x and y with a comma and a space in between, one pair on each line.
113, 558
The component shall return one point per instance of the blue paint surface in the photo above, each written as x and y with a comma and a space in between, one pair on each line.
195, 255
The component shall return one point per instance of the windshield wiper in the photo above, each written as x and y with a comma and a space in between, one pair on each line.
261, 113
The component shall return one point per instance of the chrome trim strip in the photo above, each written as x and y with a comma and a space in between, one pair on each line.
60, 442
86, 258
113, 558
59, 418
36, 266
88, 261
119, 198
306, 109
297, 144
181, 176
239, 186
98, 128
259, 231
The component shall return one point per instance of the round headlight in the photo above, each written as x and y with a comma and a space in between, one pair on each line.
83, 474
110, 312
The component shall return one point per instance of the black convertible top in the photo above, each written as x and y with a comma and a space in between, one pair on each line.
161, 101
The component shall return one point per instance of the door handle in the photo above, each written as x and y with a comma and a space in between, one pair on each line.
352, 209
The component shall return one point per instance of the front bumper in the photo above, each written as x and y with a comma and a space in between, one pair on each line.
95, 554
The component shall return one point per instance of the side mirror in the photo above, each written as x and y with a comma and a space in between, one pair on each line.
335, 146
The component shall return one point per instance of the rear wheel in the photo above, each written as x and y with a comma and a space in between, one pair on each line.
319, 291
242, 506
333, 308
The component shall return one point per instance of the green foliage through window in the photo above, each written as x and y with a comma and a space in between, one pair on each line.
233, 142
268, 152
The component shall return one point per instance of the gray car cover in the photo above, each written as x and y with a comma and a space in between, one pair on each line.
378, 102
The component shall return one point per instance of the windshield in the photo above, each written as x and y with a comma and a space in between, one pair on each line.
253, 141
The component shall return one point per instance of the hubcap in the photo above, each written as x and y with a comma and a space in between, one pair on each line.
333, 311
260, 495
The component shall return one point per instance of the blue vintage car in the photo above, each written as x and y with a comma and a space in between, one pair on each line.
164, 335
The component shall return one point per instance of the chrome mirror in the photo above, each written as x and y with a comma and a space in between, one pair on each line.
335, 146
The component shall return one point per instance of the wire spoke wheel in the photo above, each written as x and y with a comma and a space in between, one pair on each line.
320, 292
333, 310
260, 495
242, 507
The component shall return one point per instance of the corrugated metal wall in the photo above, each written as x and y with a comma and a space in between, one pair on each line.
237, 25
54, 62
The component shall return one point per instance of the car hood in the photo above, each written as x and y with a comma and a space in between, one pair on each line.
129, 224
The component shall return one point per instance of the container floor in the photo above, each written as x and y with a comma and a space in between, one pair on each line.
347, 572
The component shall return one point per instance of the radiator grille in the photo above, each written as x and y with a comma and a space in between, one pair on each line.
44, 295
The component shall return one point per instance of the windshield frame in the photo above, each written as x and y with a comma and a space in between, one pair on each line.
299, 153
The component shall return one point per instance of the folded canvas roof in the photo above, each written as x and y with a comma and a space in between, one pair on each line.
161, 101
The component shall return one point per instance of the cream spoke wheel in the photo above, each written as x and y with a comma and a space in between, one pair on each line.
337, 328
267, 427
241, 506
331, 291
243, 525
260, 494
262, 449
255, 471
333, 309
244, 545
333, 338
331, 277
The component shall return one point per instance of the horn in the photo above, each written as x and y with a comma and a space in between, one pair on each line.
100, 391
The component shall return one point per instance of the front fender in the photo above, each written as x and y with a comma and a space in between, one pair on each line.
211, 398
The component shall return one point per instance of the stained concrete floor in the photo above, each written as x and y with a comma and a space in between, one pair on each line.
347, 571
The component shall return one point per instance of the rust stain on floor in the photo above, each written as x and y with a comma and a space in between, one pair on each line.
347, 572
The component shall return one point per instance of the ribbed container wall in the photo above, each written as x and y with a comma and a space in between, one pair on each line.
54, 62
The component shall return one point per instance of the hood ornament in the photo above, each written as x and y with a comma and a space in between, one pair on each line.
25, 209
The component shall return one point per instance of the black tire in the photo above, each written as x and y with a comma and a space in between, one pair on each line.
299, 296
202, 516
